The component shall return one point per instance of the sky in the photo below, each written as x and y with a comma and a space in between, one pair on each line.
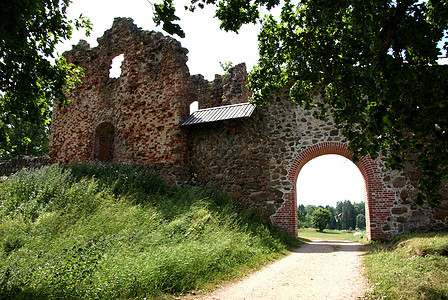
322, 181
328, 179
207, 44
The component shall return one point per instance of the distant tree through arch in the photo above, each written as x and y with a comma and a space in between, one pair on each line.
329, 178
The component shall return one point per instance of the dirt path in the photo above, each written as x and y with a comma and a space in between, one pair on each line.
318, 270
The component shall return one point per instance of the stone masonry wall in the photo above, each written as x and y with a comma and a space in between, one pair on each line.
259, 163
144, 106
227, 89
22, 162
234, 156
136, 119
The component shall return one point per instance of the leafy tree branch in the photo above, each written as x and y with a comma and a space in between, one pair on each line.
32, 78
376, 63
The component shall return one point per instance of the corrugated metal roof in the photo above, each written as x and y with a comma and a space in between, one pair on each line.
220, 113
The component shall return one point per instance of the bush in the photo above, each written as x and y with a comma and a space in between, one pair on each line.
321, 218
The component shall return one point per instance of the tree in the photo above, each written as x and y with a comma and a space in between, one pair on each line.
321, 218
375, 64
360, 208
31, 77
300, 219
309, 210
348, 216
360, 221
27, 138
333, 221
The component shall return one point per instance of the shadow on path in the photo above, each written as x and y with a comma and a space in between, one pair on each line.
328, 246
317, 270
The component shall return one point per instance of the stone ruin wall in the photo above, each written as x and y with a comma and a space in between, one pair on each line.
255, 164
254, 160
16, 164
227, 89
137, 115
145, 105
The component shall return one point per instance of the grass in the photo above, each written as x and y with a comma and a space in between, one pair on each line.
313, 234
108, 231
413, 266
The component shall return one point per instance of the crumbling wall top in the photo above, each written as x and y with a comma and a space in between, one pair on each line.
124, 36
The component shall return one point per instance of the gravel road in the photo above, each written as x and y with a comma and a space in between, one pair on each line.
318, 270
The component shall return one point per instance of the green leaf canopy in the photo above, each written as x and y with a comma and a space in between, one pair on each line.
375, 64
31, 78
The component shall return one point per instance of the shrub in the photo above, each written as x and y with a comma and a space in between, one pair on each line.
321, 218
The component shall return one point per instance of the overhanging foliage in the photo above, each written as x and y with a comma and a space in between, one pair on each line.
31, 77
376, 63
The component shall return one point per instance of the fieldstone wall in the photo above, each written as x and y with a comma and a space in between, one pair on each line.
260, 161
22, 162
234, 156
406, 216
227, 89
136, 119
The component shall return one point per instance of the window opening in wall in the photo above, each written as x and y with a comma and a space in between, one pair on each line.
194, 106
335, 183
115, 70
104, 142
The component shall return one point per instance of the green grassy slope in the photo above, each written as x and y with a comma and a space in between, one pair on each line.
108, 231
414, 266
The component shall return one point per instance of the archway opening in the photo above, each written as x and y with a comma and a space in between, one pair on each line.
336, 184
379, 198
104, 142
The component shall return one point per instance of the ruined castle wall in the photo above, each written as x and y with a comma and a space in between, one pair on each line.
406, 215
144, 106
136, 119
249, 158
227, 89
233, 156
209, 94
234, 87
257, 160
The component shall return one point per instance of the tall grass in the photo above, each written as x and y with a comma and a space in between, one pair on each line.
109, 231
414, 266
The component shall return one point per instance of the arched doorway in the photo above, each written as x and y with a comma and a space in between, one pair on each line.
104, 142
328, 179
334, 182
379, 199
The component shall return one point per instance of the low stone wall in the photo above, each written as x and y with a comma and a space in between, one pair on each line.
16, 164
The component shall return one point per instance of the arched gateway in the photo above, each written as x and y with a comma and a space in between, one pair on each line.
379, 199
256, 158
252, 154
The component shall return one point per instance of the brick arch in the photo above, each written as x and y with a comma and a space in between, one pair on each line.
379, 198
